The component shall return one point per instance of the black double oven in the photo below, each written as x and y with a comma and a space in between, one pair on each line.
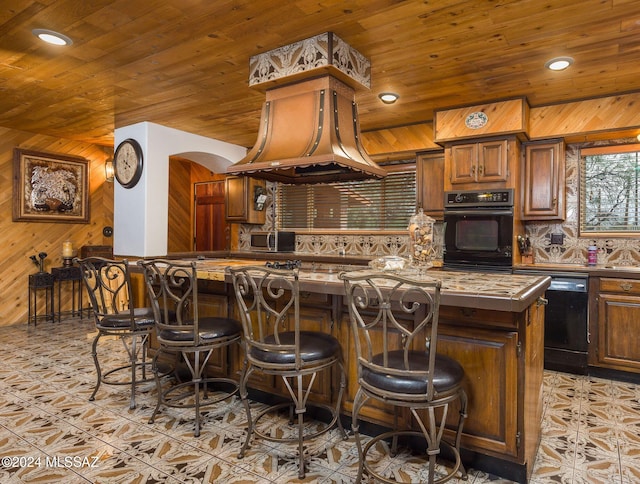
478, 230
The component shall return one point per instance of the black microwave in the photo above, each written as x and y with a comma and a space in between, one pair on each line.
273, 241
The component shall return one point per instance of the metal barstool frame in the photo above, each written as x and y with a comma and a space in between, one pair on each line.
172, 288
108, 284
408, 307
267, 299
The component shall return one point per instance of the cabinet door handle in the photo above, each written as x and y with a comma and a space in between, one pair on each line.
480, 170
626, 286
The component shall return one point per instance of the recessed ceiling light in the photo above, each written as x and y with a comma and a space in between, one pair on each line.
52, 37
559, 63
388, 97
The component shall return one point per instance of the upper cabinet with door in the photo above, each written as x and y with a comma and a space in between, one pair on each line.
543, 186
480, 162
482, 144
430, 184
245, 199
490, 163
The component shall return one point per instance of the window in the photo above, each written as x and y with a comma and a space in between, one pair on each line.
385, 204
610, 190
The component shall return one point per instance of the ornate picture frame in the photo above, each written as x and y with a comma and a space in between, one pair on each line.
50, 187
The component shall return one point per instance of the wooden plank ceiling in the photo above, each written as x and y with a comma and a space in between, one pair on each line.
184, 63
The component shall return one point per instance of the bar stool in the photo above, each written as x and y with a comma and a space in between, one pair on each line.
108, 283
395, 328
173, 291
268, 302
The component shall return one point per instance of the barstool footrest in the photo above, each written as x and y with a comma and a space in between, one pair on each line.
177, 401
310, 436
451, 470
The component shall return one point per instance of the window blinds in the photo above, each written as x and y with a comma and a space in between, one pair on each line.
385, 204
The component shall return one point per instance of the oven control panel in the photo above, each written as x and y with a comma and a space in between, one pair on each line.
479, 198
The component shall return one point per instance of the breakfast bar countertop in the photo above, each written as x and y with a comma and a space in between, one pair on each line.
481, 290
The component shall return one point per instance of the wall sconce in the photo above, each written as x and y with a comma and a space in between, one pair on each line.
108, 171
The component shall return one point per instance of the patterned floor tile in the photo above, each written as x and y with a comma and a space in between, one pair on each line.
590, 427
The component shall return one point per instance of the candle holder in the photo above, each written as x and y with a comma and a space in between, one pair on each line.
67, 253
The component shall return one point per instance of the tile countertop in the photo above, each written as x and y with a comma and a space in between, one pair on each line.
480, 290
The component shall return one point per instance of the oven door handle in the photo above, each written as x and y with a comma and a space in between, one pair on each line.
479, 211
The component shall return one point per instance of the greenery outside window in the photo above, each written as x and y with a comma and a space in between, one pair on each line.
369, 205
610, 190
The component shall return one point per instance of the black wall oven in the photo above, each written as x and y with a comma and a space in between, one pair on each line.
478, 230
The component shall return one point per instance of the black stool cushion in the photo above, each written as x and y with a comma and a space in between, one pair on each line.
210, 328
448, 373
314, 346
143, 318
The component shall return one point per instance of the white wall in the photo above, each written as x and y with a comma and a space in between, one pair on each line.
141, 213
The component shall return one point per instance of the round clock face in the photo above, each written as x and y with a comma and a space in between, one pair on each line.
127, 163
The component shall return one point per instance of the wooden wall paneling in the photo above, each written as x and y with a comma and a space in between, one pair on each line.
23, 239
400, 141
602, 115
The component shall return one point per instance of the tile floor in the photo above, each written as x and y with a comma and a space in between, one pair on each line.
50, 432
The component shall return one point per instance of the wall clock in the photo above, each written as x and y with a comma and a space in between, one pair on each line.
127, 163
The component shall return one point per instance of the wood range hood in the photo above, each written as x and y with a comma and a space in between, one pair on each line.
309, 130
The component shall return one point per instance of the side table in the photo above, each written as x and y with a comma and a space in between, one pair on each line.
41, 282
73, 275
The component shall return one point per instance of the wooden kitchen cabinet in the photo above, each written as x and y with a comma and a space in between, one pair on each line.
430, 184
544, 181
494, 354
618, 325
502, 356
242, 199
480, 162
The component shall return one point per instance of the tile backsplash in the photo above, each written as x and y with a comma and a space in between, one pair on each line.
573, 250
621, 251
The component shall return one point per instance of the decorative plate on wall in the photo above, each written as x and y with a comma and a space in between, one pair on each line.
476, 120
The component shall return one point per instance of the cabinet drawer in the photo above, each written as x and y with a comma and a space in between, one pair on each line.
315, 299
477, 317
625, 286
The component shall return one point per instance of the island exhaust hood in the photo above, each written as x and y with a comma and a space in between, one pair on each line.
309, 130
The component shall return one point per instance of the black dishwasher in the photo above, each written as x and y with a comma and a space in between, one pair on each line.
566, 324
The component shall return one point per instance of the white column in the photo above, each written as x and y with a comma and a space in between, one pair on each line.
141, 212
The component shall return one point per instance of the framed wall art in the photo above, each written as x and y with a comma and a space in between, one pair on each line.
50, 187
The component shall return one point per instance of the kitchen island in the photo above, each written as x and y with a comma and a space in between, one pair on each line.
492, 323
